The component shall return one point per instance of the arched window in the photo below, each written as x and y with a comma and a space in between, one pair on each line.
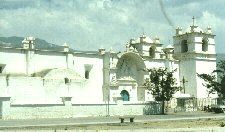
87, 68
184, 46
204, 45
152, 52
125, 95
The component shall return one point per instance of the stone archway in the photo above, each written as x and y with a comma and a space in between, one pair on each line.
131, 66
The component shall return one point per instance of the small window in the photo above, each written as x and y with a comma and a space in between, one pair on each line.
66, 80
87, 74
1, 69
87, 68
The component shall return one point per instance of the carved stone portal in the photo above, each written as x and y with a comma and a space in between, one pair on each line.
130, 67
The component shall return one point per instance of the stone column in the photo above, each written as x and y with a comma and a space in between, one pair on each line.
67, 100
4, 107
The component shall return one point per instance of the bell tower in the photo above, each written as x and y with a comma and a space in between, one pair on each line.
147, 47
28, 43
195, 50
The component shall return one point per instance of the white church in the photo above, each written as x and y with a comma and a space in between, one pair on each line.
38, 83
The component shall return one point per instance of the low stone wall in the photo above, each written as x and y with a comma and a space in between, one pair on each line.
68, 110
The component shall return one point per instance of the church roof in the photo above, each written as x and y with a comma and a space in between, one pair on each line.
194, 29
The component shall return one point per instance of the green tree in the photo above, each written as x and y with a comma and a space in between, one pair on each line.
162, 84
215, 82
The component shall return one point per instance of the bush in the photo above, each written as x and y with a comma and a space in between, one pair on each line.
218, 110
222, 124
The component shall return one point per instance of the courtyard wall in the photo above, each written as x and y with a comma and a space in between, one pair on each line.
69, 110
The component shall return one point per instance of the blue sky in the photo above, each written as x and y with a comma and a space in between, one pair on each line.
91, 24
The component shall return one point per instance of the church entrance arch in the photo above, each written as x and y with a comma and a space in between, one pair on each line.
131, 66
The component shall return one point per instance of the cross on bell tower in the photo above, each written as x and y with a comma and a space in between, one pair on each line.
193, 26
183, 82
193, 20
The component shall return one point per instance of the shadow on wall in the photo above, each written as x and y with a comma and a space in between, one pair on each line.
152, 108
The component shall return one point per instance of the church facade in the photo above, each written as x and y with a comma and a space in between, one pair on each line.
38, 83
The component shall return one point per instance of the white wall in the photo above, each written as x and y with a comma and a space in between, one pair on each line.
206, 67
25, 90
188, 71
154, 63
30, 90
92, 91
42, 60
3, 87
15, 60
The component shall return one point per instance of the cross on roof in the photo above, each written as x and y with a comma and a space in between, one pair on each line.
193, 20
